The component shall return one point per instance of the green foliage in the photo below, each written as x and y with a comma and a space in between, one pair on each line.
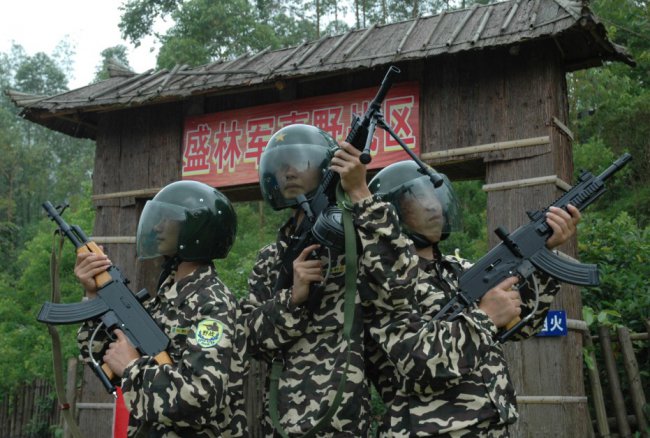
111, 53
621, 250
471, 241
25, 344
37, 163
139, 16
257, 225
610, 106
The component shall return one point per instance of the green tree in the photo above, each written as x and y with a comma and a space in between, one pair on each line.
37, 163
610, 106
257, 224
25, 344
117, 53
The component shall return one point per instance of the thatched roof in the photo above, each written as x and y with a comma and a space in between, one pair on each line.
571, 26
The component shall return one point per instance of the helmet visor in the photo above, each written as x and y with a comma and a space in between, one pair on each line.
158, 229
290, 170
428, 211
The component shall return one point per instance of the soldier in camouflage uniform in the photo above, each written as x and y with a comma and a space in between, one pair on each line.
201, 393
440, 378
303, 328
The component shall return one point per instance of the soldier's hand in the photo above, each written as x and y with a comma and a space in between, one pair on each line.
502, 303
87, 266
353, 173
120, 353
563, 224
304, 273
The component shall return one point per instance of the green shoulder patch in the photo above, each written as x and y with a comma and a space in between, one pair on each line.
208, 333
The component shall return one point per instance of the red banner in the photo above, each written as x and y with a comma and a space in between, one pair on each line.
223, 149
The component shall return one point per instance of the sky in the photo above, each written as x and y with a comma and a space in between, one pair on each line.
90, 26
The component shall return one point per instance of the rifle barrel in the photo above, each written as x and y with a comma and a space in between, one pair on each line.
615, 167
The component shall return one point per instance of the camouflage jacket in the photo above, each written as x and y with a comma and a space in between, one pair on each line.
309, 339
201, 393
448, 378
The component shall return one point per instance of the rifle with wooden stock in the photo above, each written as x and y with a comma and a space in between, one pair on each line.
115, 306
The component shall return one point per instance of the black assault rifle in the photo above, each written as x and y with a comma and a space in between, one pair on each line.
115, 305
322, 222
524, 250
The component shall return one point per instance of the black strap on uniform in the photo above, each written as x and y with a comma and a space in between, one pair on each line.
348, 319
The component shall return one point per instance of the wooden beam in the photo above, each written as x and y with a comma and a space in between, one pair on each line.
562, 127
113, 239
550, 399
516, 184
488, 147
140, 193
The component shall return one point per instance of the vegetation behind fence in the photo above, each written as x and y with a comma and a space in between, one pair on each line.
30, 411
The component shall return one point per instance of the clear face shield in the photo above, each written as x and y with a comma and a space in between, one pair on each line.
291, 170
428, 211
159, 229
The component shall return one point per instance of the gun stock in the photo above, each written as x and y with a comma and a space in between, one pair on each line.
524, 250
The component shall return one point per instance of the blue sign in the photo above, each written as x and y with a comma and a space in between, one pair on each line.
554, 324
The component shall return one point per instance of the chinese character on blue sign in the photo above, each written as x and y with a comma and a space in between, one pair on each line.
554, 324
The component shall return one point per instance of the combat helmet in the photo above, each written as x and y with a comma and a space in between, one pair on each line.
189, 221
295, 148
427, 213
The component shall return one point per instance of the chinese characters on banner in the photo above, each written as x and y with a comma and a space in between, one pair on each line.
223, 149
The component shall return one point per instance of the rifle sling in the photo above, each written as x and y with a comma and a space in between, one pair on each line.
348, 318
57, 356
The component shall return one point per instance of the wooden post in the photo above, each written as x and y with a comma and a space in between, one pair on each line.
254, 397
632, 368
614, 382
71, 393
596, 388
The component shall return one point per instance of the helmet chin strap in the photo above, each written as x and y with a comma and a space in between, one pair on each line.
169, 265
420, 241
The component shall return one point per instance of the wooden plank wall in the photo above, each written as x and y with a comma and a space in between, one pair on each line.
496, 96
136, 149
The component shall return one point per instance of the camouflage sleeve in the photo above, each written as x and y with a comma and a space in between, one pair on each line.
192, 391
427, 353
271, 320
432, 354
387, 260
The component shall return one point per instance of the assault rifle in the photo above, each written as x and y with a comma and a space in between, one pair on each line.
116, 306
524, 250
322, 222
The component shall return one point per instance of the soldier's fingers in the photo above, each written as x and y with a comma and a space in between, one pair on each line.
305, 252
515, 296
306, 264
83, 257
508, 283
347, 147
566, 218
560, 212
554, 224
575, 214
302, 270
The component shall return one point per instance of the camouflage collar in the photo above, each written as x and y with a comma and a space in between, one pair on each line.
177, 292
